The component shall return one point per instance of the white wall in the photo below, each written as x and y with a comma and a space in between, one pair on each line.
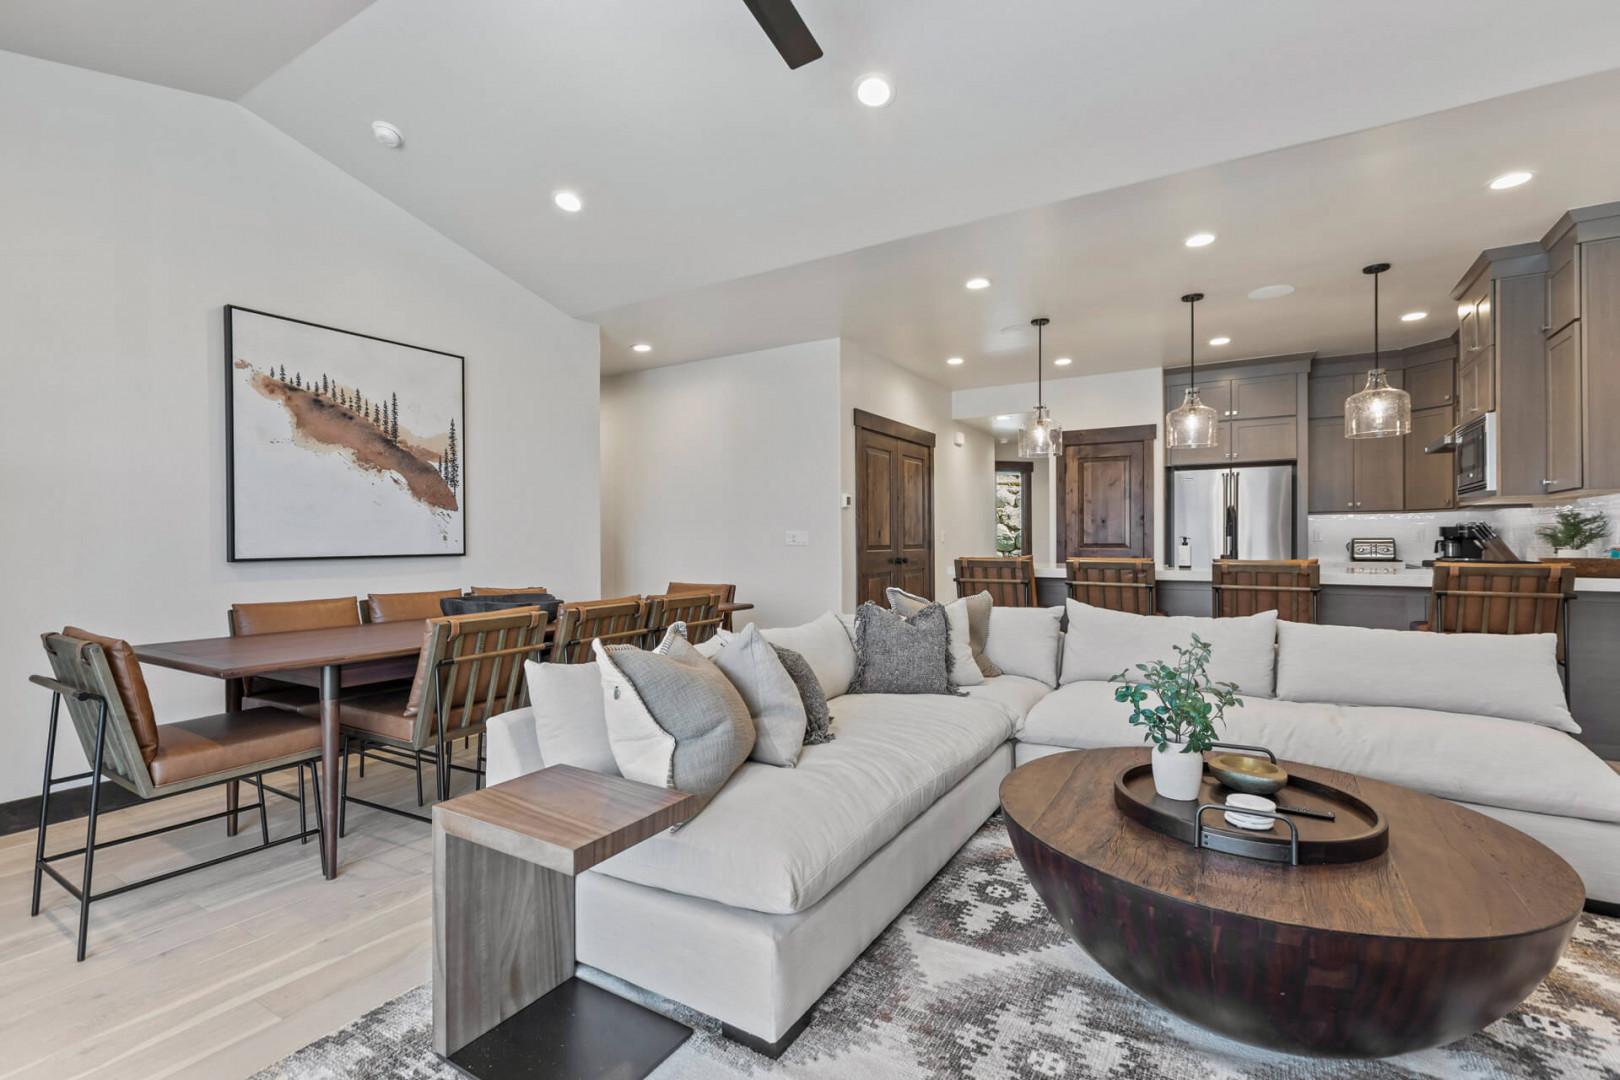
129, 216
706, 466
1116, 399
964, 476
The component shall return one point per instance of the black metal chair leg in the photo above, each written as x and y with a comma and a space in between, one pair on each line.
303, 821
362, 759
441, 767
478, 779
233, 799
343, 792
90, 830
420, 801
45, 804
315, 792
264, 814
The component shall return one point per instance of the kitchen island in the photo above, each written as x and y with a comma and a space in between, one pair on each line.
1393, 596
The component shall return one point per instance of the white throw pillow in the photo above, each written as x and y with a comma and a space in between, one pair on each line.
1511, 676
1026, 641
1102, 643
768, 690
711, 648
826, 646
568, 719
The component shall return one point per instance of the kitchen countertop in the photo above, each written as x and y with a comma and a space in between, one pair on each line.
1384, 575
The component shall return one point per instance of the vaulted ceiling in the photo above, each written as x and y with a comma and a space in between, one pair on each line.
1061, 147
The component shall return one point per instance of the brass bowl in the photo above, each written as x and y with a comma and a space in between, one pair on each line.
1252, 775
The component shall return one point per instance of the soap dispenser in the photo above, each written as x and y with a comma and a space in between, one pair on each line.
1184, 554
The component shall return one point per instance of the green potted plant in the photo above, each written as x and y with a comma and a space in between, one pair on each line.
1182, 725
1574, 531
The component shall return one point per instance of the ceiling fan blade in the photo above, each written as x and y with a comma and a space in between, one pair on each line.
781, 22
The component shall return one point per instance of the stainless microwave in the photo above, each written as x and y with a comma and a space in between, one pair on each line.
1475, 447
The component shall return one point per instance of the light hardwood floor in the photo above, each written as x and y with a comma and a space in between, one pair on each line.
222, 972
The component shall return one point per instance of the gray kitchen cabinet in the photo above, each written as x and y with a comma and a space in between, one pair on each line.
1263, 396
1563, 283
1213, 455
1564, 411
1216, 393
1333, 470
1327, 394
1476, 386
1269, 439
1430, 478
1430, 384
1600, 362
1380, 473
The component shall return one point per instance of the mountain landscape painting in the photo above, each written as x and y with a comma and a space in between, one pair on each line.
340, 445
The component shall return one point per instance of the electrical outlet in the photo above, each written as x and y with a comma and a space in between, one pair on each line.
1316, 534
798, 538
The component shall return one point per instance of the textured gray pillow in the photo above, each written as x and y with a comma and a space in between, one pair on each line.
674, 720
771, 696
972, 611
817, 717
895, 655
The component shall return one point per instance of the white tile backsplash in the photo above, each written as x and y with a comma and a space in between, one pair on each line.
1416, 533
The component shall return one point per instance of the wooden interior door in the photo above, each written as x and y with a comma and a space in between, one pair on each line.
894, 508
1105, 493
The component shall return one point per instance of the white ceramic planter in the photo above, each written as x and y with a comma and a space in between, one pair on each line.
1176, 775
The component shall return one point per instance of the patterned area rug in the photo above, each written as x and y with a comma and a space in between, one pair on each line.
976, 980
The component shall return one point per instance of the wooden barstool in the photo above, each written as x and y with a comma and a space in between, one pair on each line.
1116, 584
1010, 580
1290, 587
1504, 598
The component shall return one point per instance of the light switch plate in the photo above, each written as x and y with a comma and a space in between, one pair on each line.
798, 538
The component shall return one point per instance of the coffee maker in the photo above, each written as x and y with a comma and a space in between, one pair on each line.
1463, 542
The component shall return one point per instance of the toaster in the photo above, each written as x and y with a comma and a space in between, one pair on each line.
1372, 549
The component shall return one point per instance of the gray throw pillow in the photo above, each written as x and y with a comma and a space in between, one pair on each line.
674, 720
974, 612
771, 696
817, 717
895, 655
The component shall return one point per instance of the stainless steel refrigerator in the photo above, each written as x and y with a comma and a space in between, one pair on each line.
1243, 513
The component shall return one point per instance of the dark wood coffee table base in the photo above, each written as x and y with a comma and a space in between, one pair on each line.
1370, 967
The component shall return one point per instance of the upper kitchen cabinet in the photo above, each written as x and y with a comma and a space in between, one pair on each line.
1502, 362
1581, 372
1257, 406
1430, 382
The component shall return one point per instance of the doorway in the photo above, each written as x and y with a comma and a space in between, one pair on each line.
894, 508
1015, 507
1105, 493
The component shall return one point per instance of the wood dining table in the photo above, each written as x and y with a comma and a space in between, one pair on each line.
329, 651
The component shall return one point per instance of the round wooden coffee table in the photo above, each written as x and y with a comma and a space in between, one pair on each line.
1441, 935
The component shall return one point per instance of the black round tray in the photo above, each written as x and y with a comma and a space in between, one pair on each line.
1357, 832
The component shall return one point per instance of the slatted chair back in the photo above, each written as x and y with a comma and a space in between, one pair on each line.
615, 622
1290, 587
700, 611
726, 594
82, 666
472, 667
1502, 598
1010, 581
1129, 585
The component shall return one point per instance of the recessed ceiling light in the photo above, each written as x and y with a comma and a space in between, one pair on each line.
641, 346
567, 200
1200, 239
977, 283
1511, 180
1414, 316
387, 134
1004, 419
1219, 341
1064, 361
954, 361
1270, 292
874, 91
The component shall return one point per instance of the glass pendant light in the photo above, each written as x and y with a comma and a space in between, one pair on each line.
1378, 410
1041, 436
1191, 425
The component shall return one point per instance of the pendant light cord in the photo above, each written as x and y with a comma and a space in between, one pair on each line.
1375, 278
1040, 364
1192, 338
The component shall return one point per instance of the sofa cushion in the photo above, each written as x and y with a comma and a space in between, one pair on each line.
1013, 693
899, 655
569, 722
1026, 642
778, 840
826, 646
773, 700
1102, 643
513, 746
1474, 759
1512, 676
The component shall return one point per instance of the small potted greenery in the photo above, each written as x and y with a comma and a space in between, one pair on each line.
1573, 531
1190, 705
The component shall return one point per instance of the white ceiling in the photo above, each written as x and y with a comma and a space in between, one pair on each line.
733, 204
217, 47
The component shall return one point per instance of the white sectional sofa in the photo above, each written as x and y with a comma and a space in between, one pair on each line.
753, 909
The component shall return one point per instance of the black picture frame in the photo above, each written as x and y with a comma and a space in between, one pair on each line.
231, 555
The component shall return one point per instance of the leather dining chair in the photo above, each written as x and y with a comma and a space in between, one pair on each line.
110, 710
470, 669
724, 594
400, 606
700, 611
622, 620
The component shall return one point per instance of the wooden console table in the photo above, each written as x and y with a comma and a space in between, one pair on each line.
505, 999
